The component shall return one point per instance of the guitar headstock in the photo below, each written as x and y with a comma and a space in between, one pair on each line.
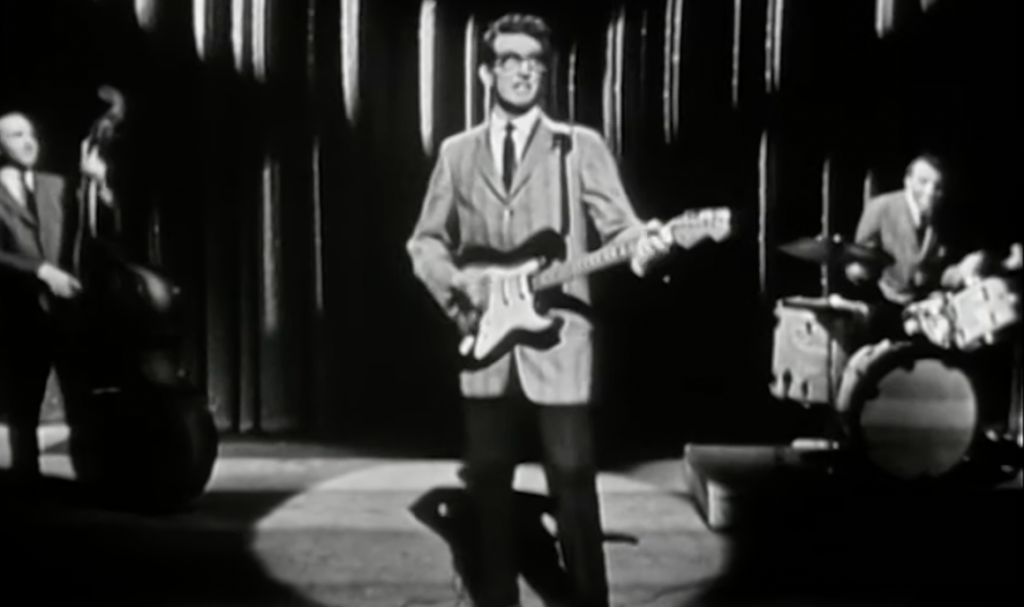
694, 226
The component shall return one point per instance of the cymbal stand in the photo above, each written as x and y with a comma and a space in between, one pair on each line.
1016, 422
826, 270
833, 428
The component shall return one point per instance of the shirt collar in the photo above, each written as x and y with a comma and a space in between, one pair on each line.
26, 176
523, 124
915, 211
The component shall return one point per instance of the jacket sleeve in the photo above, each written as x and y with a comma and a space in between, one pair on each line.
431, 244
18, 263
602, 192
12, 259
868, 228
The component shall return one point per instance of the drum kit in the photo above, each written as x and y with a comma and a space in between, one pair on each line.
913, 407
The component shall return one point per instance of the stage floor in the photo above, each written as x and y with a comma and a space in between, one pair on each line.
285, 523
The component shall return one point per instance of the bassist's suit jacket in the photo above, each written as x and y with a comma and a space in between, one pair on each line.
32, 320
26, 241
466, 205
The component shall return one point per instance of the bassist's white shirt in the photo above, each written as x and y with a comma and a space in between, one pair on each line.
11, 177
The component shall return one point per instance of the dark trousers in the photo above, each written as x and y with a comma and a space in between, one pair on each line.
27, 355
496, 431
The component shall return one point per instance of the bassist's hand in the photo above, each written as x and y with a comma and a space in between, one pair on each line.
60, 283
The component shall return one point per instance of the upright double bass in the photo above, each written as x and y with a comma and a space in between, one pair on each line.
143, 432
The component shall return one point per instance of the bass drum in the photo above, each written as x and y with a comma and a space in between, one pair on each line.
913, 411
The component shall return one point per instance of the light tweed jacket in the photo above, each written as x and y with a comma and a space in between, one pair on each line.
466, 205
918, 260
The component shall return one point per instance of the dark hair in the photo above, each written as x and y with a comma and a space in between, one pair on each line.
928, 158
515, 23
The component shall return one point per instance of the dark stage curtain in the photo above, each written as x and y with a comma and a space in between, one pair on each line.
280, 174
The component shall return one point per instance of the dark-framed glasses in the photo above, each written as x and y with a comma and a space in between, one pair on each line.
511, 62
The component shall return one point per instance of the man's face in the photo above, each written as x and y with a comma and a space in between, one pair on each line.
18, 140
924, 183
518, 70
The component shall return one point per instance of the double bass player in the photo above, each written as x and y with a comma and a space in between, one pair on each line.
38, 212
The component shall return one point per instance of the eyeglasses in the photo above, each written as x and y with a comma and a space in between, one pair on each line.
511, 62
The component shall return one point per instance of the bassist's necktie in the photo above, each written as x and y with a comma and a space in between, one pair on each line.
30, 196
509, 157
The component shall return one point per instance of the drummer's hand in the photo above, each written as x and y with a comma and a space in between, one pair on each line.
1015, 260
968, 271
953, 278
857, 273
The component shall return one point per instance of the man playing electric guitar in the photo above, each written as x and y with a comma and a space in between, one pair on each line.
493, 188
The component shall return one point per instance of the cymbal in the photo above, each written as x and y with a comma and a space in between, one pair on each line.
834, 303
821, 251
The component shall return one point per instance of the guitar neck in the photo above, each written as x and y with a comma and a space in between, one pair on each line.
686, 230
601, 259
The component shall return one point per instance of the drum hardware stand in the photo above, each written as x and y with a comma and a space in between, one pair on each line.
832, 431
1016, 422
826, 270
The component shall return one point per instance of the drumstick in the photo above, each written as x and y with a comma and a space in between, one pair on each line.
466, 345
1016, 258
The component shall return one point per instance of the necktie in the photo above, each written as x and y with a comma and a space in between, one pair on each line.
922, 228
30, 196
509, 157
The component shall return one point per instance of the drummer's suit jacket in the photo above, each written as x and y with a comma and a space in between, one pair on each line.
920, 255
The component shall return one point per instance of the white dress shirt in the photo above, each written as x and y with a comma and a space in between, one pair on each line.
915, 211
12, 179
523, 126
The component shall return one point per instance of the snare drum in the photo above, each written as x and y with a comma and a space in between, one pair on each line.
813, 339
982, 312
912, 410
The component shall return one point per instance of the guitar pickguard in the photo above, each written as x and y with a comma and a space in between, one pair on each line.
509, 282
512, 314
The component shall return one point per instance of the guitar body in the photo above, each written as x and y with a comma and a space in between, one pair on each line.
512, 313
507, 284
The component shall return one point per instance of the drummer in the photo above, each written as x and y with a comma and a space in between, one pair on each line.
902, 224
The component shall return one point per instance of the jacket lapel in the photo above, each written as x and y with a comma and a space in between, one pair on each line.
51, 217
485, 164
19, 210
903, 224
537, 146
919, 245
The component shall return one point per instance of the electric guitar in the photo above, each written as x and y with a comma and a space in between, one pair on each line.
510, 282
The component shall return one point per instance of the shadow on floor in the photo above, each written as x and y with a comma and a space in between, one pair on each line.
853, 543
67, 546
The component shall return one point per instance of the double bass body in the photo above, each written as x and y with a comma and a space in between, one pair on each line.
140, 430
